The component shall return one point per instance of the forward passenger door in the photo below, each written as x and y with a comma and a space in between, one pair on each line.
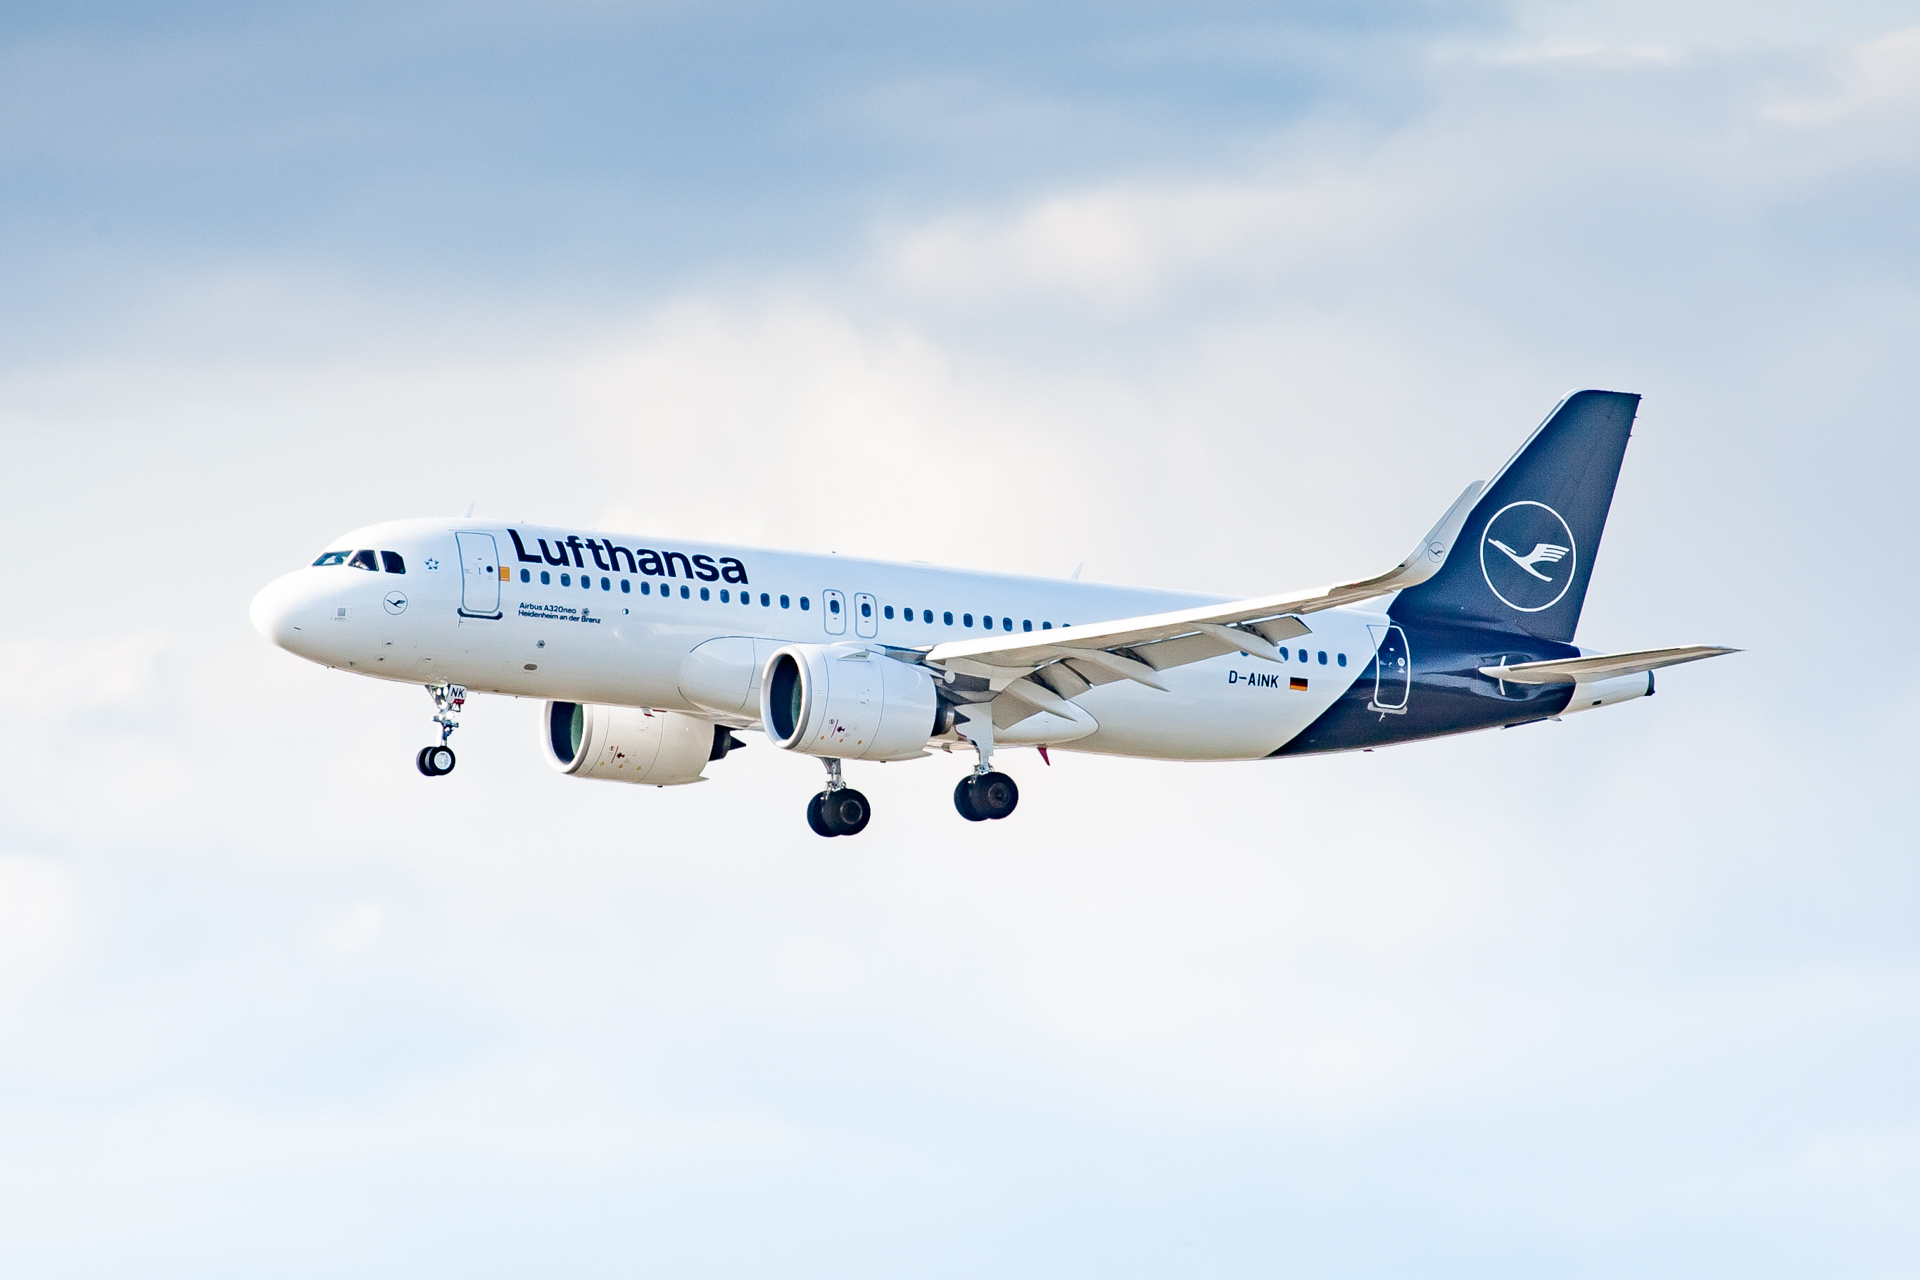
479, 575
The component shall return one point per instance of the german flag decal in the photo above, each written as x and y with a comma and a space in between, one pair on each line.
1298, 684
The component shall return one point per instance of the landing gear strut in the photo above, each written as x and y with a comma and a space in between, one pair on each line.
839, 810
437, 761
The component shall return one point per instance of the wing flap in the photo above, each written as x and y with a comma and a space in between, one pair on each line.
1601, 666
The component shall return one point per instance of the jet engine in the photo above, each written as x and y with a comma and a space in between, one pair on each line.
843, 701
626, 744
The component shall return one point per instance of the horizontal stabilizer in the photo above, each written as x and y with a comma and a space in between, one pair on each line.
1601, 666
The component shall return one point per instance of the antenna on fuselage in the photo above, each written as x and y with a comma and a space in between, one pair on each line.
1077, 568
470, 507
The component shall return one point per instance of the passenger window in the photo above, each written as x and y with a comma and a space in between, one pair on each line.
646, 589
866, 610
685, 594
986, 622
704, 595
392, 563
783, 602
724, 597
806, 602
1283, 653
888, 611
566, 579
1323, 657
926, 616
1341, 658
1006, 624
833, 606
525, 576
948, 617
1046, 626
1026, 624
546, 579
363, 560
626, 586
967, 618
765, 603
330, 558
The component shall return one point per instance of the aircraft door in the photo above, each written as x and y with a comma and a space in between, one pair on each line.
479, 575
866, 615
833, 612
1392, 670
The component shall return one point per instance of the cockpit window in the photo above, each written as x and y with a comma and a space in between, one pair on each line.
331, 557
363, 560
392, 562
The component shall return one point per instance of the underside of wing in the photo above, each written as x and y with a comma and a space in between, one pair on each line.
1601, 666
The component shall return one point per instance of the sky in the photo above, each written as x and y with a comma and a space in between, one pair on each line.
1215, 296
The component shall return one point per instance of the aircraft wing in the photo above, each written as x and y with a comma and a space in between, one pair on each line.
1079, 657
1601, 666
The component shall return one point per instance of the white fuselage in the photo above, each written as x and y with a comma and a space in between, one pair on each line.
620, 621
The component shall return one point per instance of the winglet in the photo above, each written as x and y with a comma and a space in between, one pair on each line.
1430, 556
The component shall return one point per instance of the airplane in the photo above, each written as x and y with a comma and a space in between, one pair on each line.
651, 654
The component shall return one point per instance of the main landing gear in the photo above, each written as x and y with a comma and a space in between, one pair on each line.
983, 796
438, 761
839, 810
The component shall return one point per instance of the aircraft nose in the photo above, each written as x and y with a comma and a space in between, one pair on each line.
278, 613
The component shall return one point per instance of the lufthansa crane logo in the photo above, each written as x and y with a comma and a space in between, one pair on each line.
1527, 556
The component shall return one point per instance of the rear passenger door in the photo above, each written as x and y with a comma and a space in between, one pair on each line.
479, 575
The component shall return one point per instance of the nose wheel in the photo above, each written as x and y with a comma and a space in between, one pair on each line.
981, 797
434, 761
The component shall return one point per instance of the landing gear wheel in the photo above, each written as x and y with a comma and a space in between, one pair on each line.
963, 800
817, 816
434, 761
845, 812
993, 795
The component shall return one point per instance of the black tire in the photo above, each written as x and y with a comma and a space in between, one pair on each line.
440, 760
817, 817
963, 800
420, 762
846, 811
994, 795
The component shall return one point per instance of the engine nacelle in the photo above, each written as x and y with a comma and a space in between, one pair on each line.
626, 744
841, 700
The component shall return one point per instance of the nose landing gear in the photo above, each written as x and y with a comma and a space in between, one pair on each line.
434, 761
448, 699
839, 810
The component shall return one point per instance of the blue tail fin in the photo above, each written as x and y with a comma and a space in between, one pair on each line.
1523, 559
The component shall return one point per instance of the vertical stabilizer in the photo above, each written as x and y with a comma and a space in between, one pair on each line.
1524, 557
